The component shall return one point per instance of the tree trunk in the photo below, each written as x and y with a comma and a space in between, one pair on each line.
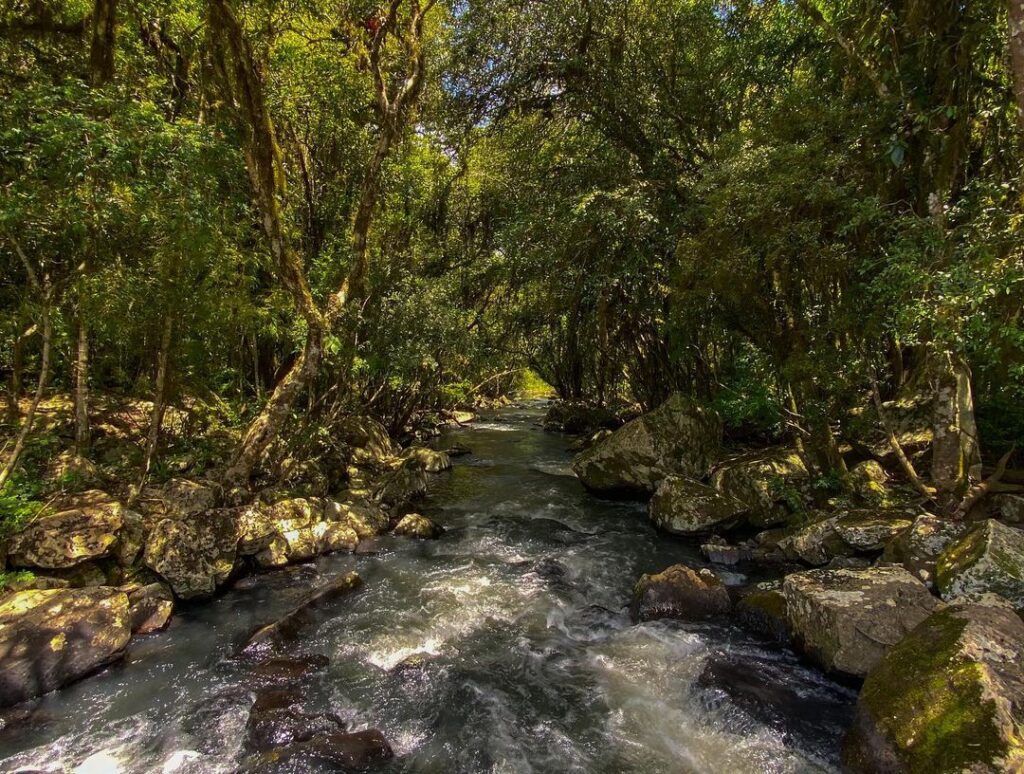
1016, 8
18, 365
82, 387
956, 458
101, 52
271, 420
156, 416
44, 375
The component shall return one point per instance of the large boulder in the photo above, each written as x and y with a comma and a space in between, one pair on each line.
869, 531
763, 610
990, 559
51, 638
816, 543
760, 481
678, 437
918, 549
680, 592
948, 697
685, 507
846, 620
194, 556
61, 540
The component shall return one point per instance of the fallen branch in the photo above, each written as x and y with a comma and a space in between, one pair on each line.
908, 467
982, 489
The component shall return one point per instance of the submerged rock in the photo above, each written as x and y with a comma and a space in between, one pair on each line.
416, 526
949, 697
62, 540
285, 629
359, 751
678, 437
990, 559
51, 638
846, 620
760, 481
277, 720
287, 670
685, 507
679, 592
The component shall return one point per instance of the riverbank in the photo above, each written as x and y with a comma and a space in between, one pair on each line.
507, 641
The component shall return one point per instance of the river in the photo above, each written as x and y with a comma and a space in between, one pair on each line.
504, 646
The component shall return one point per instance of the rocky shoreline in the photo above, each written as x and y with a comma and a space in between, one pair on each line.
921, 612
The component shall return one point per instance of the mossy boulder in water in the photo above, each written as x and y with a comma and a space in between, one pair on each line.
401, 487
762, 481
678, 437
990, 559
88, 531
150, 607
680, 592
368, 439
429, 460
949, 697
846, 620
51, 638
685, 507
763, 610
366, 518
416, 526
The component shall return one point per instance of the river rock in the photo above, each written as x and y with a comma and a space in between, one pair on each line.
871, 530
284, 671
277, 720
684, 507
332, 537
949, 697
578, 418
816, 544
429, 460
285, 629
759, 480
763, 610
51, 638
67, 538
989, 559
416, 526
360, 751
678, 437
194, 556
364, 517
401, 487
679, 592
918, 549
846, 620
150, 608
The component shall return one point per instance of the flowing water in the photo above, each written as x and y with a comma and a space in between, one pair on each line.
505, 646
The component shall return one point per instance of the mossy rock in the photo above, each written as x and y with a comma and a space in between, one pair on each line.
678, 437
989, 560
680, 592
761, 481
949, 697
763, 610
684, 507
